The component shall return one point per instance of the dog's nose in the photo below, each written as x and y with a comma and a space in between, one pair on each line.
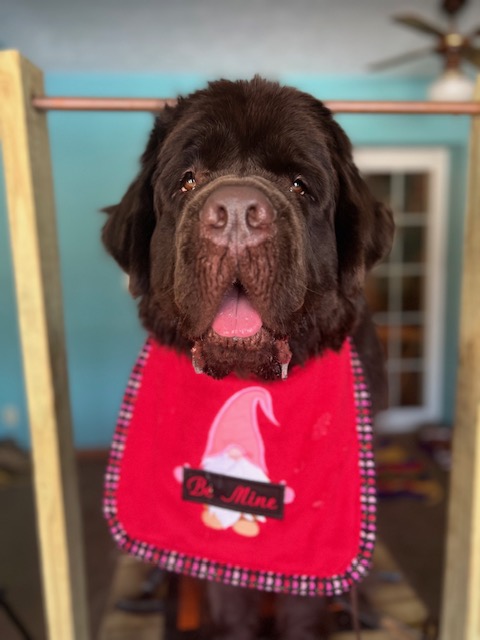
239, 216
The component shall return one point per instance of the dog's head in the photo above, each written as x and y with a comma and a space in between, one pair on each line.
248, 231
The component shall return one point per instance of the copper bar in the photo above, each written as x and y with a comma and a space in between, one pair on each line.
45, 103
57, 103
404, 107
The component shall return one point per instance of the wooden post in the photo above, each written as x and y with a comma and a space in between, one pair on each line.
461, 601
24, 136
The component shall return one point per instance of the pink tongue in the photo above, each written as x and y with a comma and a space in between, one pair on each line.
236, 317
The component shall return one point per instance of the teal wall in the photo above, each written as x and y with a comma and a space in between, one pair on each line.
95, 156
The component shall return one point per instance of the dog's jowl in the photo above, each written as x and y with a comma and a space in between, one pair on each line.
243, 453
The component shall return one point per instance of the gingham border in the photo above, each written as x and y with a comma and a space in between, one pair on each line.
303, 585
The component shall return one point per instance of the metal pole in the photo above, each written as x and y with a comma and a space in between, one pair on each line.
62, 103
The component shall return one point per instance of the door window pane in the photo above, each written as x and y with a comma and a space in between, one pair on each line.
412, 342
411, 388
377, 290
412, 293
416, 193
413, 244
384, 333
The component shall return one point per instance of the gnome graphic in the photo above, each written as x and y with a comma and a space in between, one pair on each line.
235, 448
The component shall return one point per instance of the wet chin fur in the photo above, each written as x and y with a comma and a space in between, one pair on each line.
257, 356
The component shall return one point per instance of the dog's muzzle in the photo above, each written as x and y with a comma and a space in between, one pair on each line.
237, 217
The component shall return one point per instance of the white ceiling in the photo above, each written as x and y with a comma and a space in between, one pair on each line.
231, 37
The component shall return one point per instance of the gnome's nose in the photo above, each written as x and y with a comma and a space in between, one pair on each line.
239, 216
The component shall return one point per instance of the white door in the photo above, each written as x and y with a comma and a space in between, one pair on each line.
406, 292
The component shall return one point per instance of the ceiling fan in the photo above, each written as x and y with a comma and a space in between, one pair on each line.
452, 45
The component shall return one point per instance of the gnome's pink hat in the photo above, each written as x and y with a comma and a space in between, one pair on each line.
236, 424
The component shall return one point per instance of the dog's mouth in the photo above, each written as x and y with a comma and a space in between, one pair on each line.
236, 316
237, 339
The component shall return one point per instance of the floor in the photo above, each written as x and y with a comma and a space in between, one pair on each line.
412, 528
19, 566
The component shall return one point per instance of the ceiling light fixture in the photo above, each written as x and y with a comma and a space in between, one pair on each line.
452, 86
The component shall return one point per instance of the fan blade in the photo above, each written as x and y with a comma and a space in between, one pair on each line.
400, 59
419, 24
472, 54
475, 33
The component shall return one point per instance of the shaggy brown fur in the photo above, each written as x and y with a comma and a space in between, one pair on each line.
299, 253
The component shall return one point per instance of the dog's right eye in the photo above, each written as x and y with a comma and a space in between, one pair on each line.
298, 187
188, 182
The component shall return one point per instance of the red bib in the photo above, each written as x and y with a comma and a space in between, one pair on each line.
264, 485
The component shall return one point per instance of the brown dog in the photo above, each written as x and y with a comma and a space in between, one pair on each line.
248, 198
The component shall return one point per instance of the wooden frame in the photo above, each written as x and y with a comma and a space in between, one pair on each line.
31, 210
461, 599
24, 136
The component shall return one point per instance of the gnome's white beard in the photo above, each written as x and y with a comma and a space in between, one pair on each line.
235, 467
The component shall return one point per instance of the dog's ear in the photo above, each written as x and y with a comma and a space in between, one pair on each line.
364, 227
131, 222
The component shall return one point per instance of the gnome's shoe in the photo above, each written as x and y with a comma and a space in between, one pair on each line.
209, 519
248, 528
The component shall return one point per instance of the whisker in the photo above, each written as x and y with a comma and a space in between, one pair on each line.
317, 293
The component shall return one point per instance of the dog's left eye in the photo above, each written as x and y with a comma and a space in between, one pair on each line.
298, 187
188, 182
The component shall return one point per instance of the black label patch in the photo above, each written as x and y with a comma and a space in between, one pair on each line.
238, 494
